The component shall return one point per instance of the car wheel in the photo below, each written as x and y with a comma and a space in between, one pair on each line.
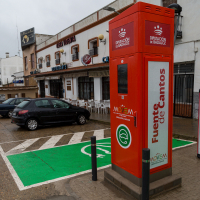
9, 114
81, 119
32, 124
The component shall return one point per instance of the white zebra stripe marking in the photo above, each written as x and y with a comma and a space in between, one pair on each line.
21, 147
99, 134
51, 142
76, 138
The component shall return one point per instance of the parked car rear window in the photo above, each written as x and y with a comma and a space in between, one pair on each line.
59, 104
22, 104
7, 101
12, 102
42, 104
18, 101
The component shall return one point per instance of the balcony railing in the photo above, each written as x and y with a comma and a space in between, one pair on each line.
75, 56
93, 52
48, 64
58, 61
40, 66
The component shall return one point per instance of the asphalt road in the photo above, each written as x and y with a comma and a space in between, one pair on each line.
15, 140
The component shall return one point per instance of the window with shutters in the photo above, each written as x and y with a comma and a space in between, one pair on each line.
26, 63
32, 61
75, 52
40, 62
93, 45
48, 58
57, 57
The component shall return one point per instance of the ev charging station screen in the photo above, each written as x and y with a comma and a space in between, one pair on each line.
122, 79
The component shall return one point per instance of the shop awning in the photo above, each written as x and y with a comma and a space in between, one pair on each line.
104, 73
52, 77
77, 74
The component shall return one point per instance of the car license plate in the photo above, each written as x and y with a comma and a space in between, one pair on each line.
14, 114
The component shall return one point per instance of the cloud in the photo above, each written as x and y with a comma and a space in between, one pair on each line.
47, 16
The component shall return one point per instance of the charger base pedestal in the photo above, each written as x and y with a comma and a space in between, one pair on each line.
155, 188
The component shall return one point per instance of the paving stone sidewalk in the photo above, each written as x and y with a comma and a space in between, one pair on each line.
185, 164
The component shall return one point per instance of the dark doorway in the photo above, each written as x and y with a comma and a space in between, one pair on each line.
42, 89
106, 88
86, 88
56, 88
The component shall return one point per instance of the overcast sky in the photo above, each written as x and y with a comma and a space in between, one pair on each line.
47, 16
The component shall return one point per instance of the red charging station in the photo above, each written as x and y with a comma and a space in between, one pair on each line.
141, 90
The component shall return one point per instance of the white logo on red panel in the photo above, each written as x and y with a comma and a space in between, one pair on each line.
122, 33
158, 30
156, 39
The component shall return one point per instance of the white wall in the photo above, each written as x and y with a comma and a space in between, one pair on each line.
82, 40
155, 2
9, 66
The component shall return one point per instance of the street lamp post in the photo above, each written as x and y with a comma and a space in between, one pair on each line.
177, 8
110, 9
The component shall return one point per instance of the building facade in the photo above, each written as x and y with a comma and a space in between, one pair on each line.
62, 74
30, 58
8, 66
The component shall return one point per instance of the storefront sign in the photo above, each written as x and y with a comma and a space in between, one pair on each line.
86, 59
157, 34
66, 41
158, 100
123, 37
52, 77
27, 37
18, 81
105, 59
59, 67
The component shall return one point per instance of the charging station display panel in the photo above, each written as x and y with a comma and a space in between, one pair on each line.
158, 106
122, 79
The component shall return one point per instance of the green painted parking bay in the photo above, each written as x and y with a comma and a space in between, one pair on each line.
43, 165
48, 164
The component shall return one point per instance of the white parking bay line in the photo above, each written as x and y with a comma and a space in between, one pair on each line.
12, 171
21, 147
76, 138
51, 142
99, 134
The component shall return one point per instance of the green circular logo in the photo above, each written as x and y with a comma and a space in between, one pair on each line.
123, 136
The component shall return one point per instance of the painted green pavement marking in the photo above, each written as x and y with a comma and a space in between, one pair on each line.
43, 165
178, 143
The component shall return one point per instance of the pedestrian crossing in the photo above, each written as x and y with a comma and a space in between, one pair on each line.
16, 147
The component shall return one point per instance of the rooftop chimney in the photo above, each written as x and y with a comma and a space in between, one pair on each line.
7, 54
